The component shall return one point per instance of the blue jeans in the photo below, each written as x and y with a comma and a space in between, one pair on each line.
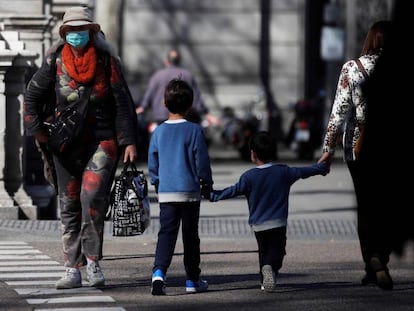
171, 215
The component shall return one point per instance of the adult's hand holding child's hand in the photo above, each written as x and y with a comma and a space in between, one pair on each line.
326, 158
328, 169
206, 190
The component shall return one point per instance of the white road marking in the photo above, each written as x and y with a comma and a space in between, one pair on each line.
84, 309
75, 299
37, 282
32, 268
20, 257
6, 276
13, 243
31, 283
15, 247
19, 251
52, 291
28, 263
21, 265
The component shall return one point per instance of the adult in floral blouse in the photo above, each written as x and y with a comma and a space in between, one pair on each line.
83, 58
348, 115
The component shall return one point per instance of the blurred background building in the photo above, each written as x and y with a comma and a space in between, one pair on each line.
253, 56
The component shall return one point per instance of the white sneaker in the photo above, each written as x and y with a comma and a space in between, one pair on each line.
71, 279
94, 274
269, 278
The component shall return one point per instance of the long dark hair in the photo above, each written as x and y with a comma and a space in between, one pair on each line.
376, 38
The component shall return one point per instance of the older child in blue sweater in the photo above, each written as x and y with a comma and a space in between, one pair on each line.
178, 163
267, 188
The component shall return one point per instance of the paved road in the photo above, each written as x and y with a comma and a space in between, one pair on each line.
321, 271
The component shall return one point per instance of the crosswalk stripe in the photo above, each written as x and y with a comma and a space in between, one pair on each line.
52, 291
22, 265
19, 251
31, 268
75, 299
28, 263
31, 283
32, 275
20, 257
84, 309
15, 247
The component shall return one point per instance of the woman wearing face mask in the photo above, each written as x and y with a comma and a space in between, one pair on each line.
83, 60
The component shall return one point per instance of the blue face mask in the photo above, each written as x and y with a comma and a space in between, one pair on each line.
78, 39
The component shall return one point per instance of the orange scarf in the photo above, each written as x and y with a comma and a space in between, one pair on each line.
82, 68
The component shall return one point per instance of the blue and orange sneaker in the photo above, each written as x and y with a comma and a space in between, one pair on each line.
196, 287
158, 287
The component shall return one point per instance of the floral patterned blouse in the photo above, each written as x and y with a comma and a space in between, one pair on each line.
349, 107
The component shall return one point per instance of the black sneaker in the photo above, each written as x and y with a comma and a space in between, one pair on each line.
382, 275
369, 279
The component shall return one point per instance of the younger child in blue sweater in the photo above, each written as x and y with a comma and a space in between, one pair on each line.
179, 165
267, 188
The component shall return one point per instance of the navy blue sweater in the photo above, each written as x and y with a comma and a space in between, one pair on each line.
178, 160
267, 188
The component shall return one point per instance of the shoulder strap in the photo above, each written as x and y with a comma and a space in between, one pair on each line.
105, 57
53, 56
123, 81
83, 101
361, 68
47, 103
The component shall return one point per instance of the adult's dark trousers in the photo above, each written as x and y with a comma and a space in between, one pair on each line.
372, 225
171, 215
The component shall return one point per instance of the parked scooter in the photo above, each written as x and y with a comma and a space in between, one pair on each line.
237, 131
305, 132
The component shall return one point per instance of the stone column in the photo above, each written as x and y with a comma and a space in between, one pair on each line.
34, 28
14, 65
7, 208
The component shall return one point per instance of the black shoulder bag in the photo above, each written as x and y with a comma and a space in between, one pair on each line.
67, 125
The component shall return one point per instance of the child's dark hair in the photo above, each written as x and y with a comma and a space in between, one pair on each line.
264, 145
178, 96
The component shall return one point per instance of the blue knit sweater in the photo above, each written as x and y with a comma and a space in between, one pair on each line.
178, 160
267, 188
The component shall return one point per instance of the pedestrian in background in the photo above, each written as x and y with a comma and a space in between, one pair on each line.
349, 109
80, 60
178, 164
153, 98
267, 188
